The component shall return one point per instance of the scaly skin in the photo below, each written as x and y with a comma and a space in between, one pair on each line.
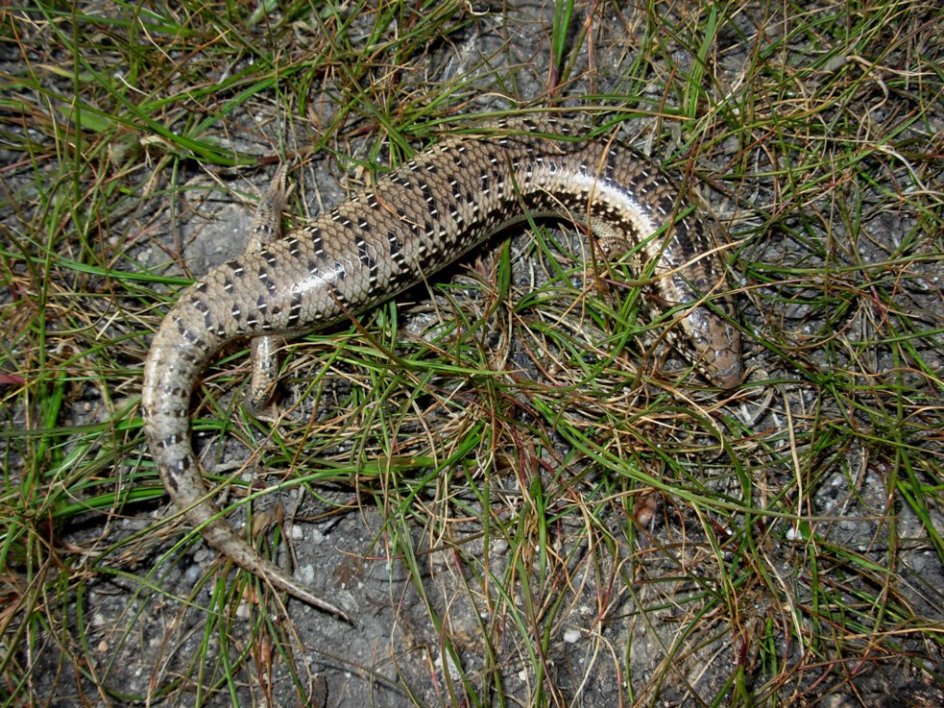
414, 221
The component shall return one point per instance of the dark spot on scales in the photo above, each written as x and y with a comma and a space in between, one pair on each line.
394, 243
295, 308
431, 203
363, 254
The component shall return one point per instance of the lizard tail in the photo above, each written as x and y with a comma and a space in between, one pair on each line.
177, 355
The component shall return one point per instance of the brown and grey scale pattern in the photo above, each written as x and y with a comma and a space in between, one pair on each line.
414, 221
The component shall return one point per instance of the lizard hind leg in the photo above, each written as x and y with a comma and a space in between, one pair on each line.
266, 228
